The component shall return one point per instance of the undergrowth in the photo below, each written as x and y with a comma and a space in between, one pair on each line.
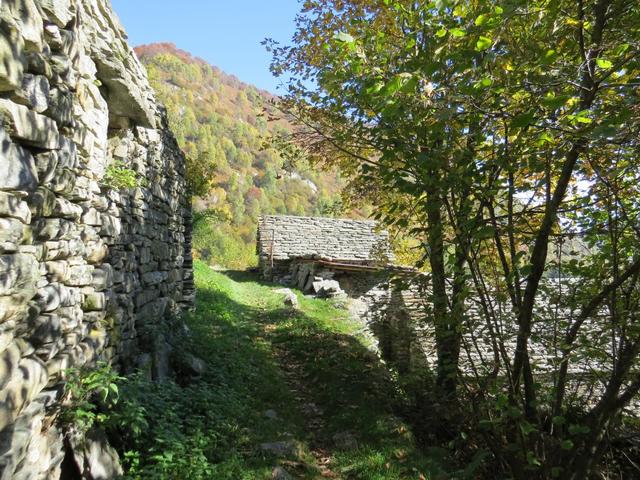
265, 365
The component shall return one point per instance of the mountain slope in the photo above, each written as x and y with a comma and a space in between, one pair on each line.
219, 122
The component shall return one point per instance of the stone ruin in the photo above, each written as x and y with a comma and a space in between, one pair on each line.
88, 271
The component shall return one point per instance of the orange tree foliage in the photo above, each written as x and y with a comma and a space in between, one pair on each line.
221, 125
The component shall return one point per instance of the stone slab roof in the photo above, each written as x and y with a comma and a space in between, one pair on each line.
289, 237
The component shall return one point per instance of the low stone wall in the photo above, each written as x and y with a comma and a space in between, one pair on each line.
395, 313
87, 271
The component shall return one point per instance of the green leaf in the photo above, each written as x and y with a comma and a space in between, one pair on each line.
343, 37
441, 33
554, 102
566, 445
484, 83
523, 120
481, 19
498, 10
603, 63
483, 43
457, 32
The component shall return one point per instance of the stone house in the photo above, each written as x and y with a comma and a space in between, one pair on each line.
337, 257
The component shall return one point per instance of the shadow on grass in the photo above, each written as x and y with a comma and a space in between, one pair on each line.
359, 400
273, 375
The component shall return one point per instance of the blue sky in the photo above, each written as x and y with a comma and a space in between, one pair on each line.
226, 33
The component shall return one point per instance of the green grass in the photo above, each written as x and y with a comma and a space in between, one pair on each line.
263, 356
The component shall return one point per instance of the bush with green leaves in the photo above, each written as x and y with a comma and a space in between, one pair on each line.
90, 392
120, 177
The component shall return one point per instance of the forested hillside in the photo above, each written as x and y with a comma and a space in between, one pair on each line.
220, 123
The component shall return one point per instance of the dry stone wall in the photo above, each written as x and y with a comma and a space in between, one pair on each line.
88, 271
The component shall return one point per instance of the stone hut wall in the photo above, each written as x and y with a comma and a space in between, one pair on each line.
87, 271
284, 238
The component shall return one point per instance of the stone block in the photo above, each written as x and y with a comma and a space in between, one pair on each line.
14, 207
46, 164
63, 182
26, 382
42, 202
57, 271
96, 252
53, 229
19, 275
60, 12
68, 153
111, 226
92, 217
102, 277
95, 457
154, 278
12, 233
11, 57
95, 301
30, 25
45, 329
65, 209
17, 168
27, 126
38, 64
56, 295
80, 275
60, 104
33, 93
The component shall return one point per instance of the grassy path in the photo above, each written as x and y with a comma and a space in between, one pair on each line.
288, 393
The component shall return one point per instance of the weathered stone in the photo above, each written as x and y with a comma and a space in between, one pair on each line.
9, 360
42, 202
27, 126
26, 382
29, 21
12, 234
34, 92
57, 271
17, 168
103, 277
53, 229
111, 226
290, 298
92, 217
67, 153
61, 106
45, 329
46, 164
61, 12
86, 272
94, 457
64, 182
80, 275
19, 275
96, 252
11, 57
55, 295
154, 278
37, 64
14, 207
95, 301
65, 209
